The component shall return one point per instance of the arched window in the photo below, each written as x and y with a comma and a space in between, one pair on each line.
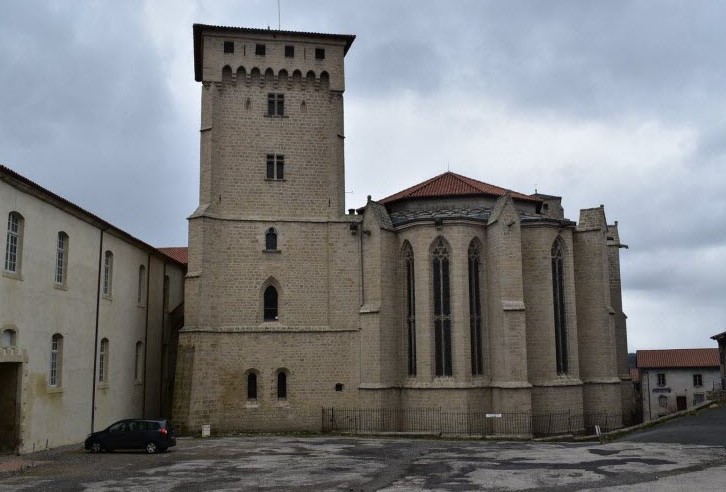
9, 338
558, 299
14, 243
410, 307
61, 259
138, 362
141, 290
281, 385
252, 386
442, 308
271, 239
107, 272
475, 318
103, 362
56, 361
270, 300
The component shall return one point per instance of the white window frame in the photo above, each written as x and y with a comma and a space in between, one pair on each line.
107, 273
14, 243
61, 258
103, 361
56, 361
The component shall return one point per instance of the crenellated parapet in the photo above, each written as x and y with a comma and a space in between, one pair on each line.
282, 79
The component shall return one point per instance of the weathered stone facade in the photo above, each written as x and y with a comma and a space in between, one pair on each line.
375, 308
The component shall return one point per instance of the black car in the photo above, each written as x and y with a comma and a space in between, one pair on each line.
152, 435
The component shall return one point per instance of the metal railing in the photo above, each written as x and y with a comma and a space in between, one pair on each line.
437, 421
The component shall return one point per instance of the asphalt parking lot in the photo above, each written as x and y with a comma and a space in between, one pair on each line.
392, 464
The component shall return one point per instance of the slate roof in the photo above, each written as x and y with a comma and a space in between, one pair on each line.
672, 358
178, 253
451, 184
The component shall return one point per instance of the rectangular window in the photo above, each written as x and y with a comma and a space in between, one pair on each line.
661, 379
289, 51
320, 53
12, 246
56, 361
275, 166
260, 49
697, 380
229, 46
107, 272
61, 258
698, 398
103, 362
275, 104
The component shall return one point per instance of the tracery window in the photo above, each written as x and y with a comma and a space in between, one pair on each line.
475, 317
410, 308
442, 308
558, 299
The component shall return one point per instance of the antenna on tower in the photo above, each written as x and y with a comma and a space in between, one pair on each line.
279, 24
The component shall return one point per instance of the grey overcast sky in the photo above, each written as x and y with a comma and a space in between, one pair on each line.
621, 103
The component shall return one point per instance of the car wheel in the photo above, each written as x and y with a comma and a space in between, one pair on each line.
151, 447
96, 447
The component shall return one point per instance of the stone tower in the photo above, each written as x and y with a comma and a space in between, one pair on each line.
269, 244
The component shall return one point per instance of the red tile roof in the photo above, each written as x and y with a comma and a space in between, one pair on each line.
703, 357
452, 184
178, 253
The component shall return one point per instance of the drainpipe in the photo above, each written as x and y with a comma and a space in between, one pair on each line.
146, 335
165, 360
95, 338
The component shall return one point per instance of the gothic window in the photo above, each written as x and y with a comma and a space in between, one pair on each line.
282, 385
61, 258
410, 308
558, 299
475, 317
107, 272
14, 242
442, 308
270, 301
271, 239
103, 362
56, 361
252, 386
275, 104
275, 166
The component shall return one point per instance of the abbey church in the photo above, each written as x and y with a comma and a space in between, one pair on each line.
452, 294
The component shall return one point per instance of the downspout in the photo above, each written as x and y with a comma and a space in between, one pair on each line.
165, 360
95, 338
146, 335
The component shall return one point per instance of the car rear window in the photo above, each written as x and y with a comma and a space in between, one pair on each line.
152, 425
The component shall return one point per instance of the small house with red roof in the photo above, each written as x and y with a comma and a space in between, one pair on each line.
676, 379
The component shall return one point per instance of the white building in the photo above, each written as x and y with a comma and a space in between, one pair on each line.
676, 379
84, 320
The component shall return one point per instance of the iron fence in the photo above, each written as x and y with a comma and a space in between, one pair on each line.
438, 421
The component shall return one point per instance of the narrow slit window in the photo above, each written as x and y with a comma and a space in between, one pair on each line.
475, 317
558, 300
410, 308
252, 386
61, 258
281, 385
